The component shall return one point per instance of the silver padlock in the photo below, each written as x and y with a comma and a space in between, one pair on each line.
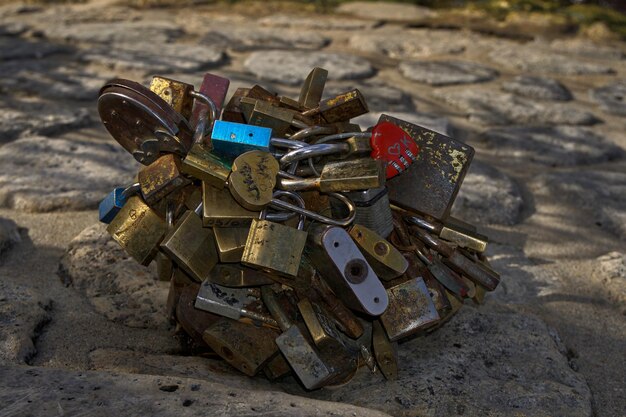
344, 268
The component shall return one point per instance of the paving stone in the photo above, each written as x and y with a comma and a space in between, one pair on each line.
554, 146
429, 121
485, 106
585, 48
488, 196
28, 118
407, 43
533, 58
17, 48
121, 32
9, 234
46, 391
440, 73
246, 38
489, 360
115, 284
538, 88
154, 57
315, 22
612, 272
291, 68
611, 97
602, 194
41, 174
23, 312
391, 12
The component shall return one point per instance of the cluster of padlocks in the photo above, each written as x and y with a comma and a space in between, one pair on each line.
293, 241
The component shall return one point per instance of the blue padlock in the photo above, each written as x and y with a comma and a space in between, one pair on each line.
111, 205
232, 139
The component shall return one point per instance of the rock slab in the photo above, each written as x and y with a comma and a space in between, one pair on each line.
538, 88
9, 234
391, 12
611, 97
42, 174
115, 284
439, 73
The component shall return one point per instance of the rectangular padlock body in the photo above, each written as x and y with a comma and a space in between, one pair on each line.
372, 209
175, 93
274, 247
344, 268
313, 88
410, 309
353, 174
111, 205
221, 210
161, 178
464, 238
246, 347
138, 229
230, 242
430, 185
232, 139
214, 87
304, 359
343, 107
191, 246
200, 163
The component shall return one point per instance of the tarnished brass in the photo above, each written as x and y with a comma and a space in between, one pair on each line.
221, 210
253, 178
386, 261
385, 351
164, 266
263, 113
161, 178
238, 276
247, 348
341, 108
138, 230
290, 104
230, 242
191, 246
232, 111
274, 247
200, 163
175, 93
464, 238
319, 324
410, 310
193, 321
353, 174
430, 185
313, 88
348, 322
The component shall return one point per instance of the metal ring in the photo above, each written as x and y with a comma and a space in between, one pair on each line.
318, 217
344, 135
131, 190
209, 102
312, 131
312, 151
421, 223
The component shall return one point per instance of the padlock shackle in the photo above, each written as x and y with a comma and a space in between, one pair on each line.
318, 217
313, 151
423, 223
131, 190
344, 135
206, 118
313, 131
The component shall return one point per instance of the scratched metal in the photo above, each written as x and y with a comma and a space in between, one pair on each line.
160, 178
410, 309
344, 107
430, 185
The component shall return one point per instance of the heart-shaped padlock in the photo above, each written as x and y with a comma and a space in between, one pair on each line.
253, 178
394, 146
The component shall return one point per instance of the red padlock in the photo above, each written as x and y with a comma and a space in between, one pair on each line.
394, 146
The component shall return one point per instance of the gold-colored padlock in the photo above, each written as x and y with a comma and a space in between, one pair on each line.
253, 178
161, 178
175, 93
138, 229
221, 210
386, 261
313, 88
274, 247
230, 242
200, 163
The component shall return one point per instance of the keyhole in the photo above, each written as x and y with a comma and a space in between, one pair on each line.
356, 271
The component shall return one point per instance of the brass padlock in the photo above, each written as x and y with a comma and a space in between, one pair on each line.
313, 88
253, 178
341, 108
430, 185
386, 261
452, 231
262, 113
161, 178
221, 210
247, 348
200, 163
274, 247
410, 309
191, 246
138, 229
230, 242
353, 174
175, 93
385, 351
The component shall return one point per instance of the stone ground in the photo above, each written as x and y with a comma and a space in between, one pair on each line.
81, 330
